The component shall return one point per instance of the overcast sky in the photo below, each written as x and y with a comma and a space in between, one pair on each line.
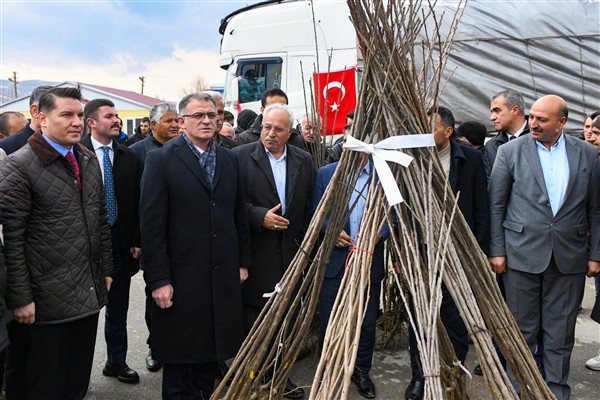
112, 43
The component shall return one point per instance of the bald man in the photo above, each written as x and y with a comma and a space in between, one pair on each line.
545, 232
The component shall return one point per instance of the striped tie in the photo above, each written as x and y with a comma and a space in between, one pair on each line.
109, 187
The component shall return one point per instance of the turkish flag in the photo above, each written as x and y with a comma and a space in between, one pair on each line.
335, 96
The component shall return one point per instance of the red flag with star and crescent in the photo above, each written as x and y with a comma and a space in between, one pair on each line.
335, 96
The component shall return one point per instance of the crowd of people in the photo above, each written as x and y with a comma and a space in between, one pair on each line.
213, 212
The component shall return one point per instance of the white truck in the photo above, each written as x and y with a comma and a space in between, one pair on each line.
534, 47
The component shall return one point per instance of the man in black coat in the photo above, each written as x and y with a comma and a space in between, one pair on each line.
18, 140
278, 181
196, 243
269, 96
508, 116
121, 171
466, 175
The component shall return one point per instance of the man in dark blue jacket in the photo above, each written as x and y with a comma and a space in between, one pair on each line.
465, 169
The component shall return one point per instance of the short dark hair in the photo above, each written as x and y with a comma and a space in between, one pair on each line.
183, 103
5, 120
270, 93
48, 99
592, 115
445, 115
228, 116
350, 115
146, 119
34, 98
91, 108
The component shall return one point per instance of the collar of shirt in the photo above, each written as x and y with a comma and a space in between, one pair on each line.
63, 152
98, 149
518, 133
279, 175
555, 168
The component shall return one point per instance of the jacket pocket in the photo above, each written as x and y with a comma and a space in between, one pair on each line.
513, 226
582, 229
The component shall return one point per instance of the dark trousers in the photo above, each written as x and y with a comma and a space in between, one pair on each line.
188, 381
147, 311
558, 296
115, 326
57, 361
457, 331
366, 344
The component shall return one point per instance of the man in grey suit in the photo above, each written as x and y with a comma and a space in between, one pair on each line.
545, 232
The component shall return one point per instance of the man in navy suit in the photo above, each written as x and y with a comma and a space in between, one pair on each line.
335, 272
465, 169
126, 171
196, 239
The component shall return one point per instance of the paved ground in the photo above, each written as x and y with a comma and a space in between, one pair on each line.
391, 369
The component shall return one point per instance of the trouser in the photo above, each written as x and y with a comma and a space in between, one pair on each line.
366, 344
55, 360
188, 381
558, 297
457, 331
115, 326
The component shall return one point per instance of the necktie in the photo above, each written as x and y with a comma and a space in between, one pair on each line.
75, 166
511, 137
109, 187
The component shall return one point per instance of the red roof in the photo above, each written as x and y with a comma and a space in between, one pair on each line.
140, 98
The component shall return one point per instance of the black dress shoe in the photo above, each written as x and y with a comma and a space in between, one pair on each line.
292, 391
151, 363
364, 384
415, 390
122, 372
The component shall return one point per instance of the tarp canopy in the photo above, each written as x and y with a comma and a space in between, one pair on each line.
534, 47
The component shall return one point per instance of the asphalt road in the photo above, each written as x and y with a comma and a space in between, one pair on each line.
391, 368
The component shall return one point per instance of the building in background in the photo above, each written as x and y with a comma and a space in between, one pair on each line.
131, 106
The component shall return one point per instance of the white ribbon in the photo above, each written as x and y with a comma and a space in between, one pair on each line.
387, 150
278, 289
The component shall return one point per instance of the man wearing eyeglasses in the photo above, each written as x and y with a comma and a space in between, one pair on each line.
196, 241
277, 181
220, 139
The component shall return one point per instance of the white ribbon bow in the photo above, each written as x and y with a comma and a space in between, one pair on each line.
387, 150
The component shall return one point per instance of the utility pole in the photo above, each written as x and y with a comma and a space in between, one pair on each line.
143, 79
13, 79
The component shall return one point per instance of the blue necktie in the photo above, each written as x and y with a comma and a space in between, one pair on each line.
109, 188
511, 137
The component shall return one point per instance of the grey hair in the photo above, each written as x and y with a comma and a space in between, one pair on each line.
37, 93
215, 95
159, 109
512, 98
281, 107
309, 117
183, 103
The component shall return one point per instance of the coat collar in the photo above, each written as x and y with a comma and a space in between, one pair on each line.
183, 151
47, 154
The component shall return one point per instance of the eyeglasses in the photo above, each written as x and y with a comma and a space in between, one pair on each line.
201, 115
277, 129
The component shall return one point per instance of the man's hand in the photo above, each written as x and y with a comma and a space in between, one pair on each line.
593, 268
108, 280
343, 240
498, 264
136, 252
273, 221
163, 296
243, 274
25, 314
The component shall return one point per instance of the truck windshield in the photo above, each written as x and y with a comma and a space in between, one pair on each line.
257, 75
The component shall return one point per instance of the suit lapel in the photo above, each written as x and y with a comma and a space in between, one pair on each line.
292, 170
573, 159
187, 157
531, 154
260, 158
